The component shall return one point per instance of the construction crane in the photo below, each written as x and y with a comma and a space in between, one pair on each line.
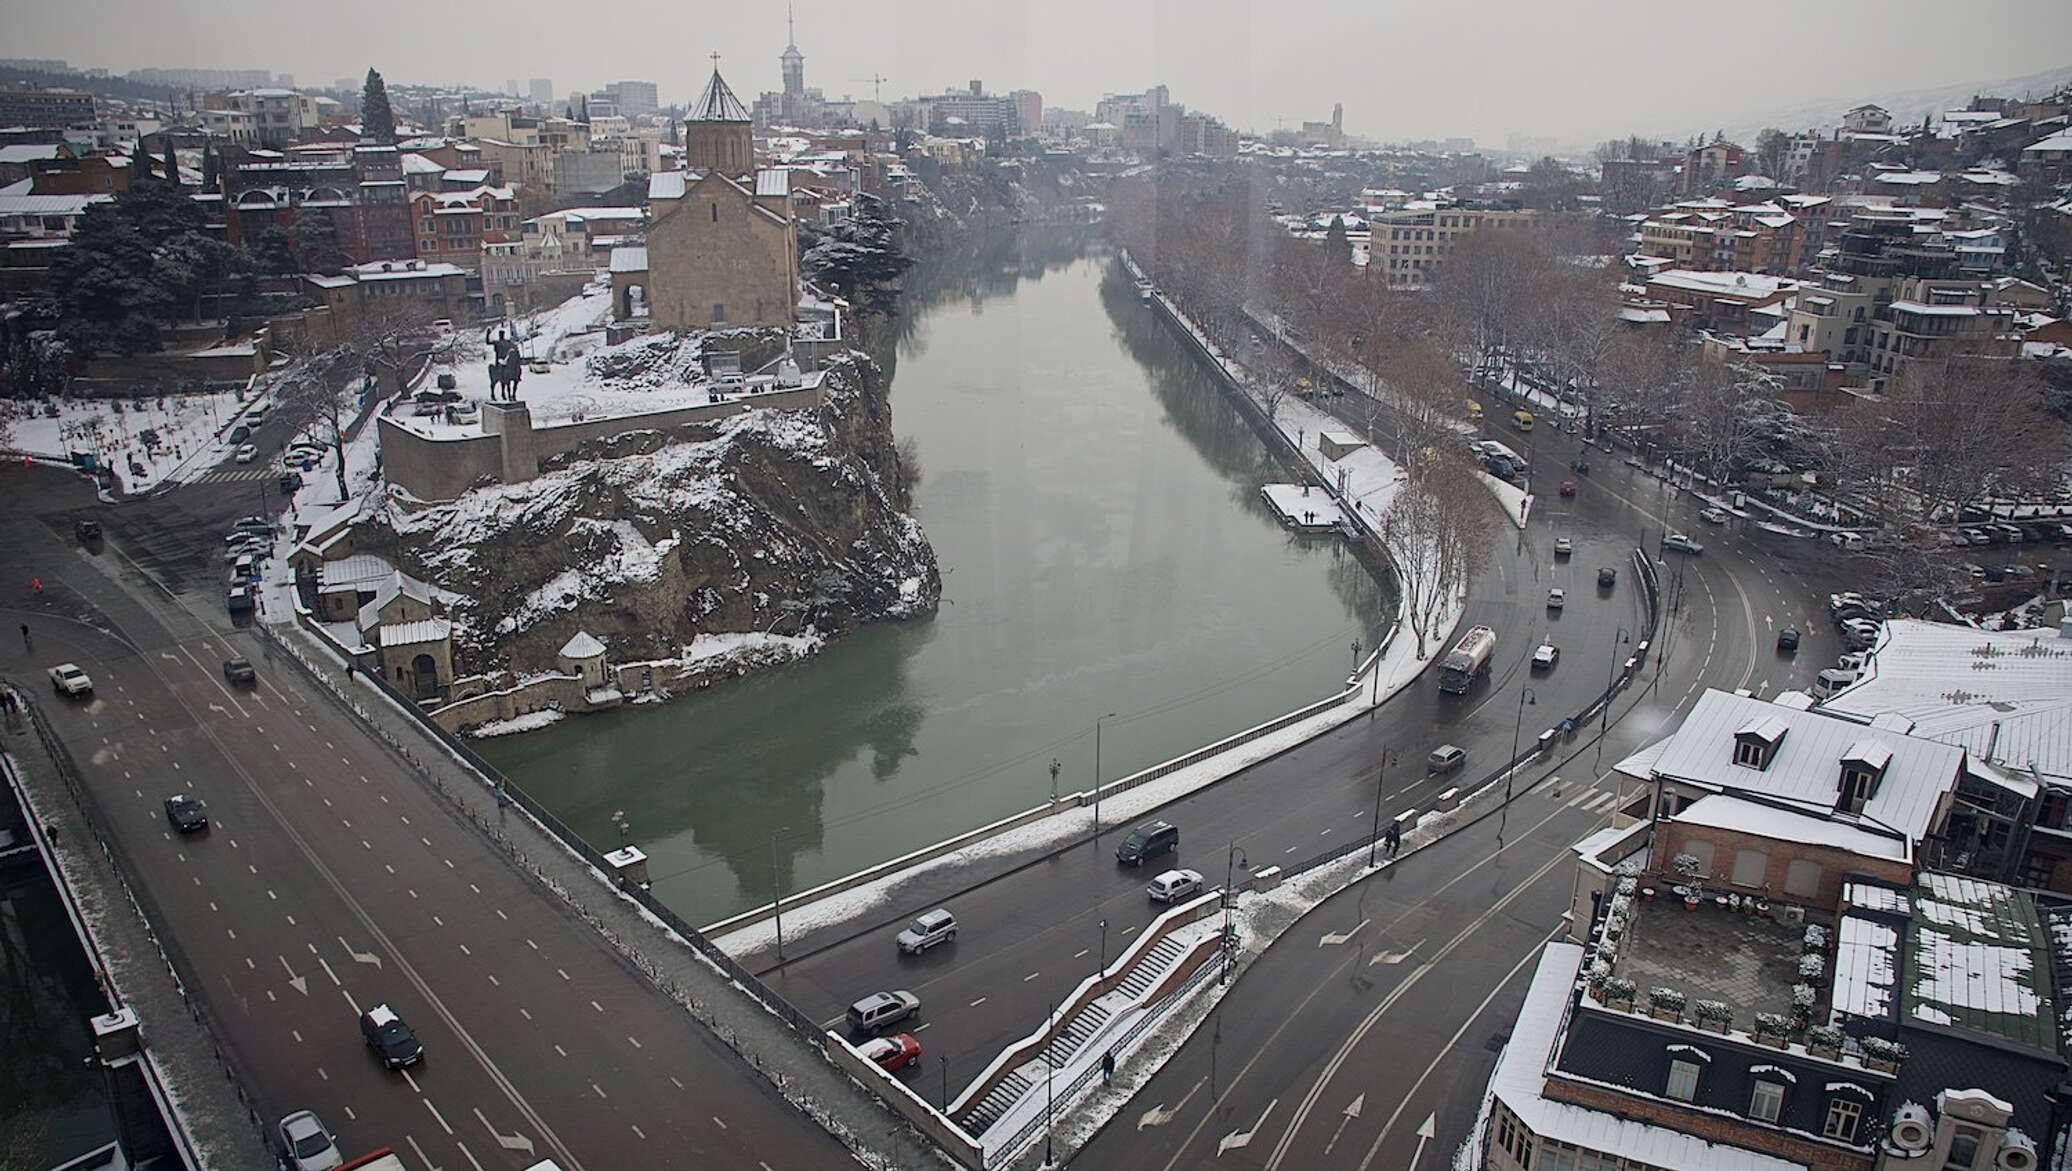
875, 81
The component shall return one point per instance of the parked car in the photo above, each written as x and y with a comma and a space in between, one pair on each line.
70, 680
253, 524
1148, 841
1713, 516
1788, 640
1174, 885
881, 1010
1556, 598
306, 1145
1563, 546
239, 670
248, 452
240, 433
1445, 758
289, 483
1545, 656
390, 1038
1607, 576
1682, 544
238, 599
891, 1053
446, 380
928, 929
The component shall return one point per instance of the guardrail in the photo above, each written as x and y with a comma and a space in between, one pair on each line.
175, 962
496, 784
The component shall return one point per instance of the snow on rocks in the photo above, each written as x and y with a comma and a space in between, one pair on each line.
542, 718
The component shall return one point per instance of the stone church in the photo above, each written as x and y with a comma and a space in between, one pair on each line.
722, 246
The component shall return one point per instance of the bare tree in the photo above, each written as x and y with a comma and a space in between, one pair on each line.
1437, 530
1968, 430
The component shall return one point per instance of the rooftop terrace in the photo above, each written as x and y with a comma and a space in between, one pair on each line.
1747, 961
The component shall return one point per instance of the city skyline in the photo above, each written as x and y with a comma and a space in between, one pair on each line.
1402, 74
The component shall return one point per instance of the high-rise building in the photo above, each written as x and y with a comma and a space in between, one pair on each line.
634, 98
791, 61
23, 106
1028, 109
542, 91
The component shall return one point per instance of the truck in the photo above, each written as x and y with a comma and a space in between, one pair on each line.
1469, 658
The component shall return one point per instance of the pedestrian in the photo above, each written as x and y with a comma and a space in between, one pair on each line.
36, 586
25, 637
1108, 1068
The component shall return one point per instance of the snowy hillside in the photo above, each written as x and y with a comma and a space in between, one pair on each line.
1908, 107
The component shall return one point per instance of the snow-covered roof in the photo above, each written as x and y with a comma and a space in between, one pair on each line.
1978, 960
1804, 771
1866, 968
18, 153
1753, 285
1520, 1082
398, 270
630, 259
773, 181
669, 184
605, 213
1910, 178
417, 164
1723, 812
57, 205
583, 646
412, 633
386, 590
475, 176
2004, 693
2061, 141
1928, 310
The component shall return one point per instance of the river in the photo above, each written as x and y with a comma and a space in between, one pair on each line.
1093, 501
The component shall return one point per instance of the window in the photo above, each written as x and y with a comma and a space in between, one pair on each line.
1749, 866
719, 313
1842, 1117
1748, 753
1856, 789
1802, 878
1963, 1150
1767, 1102
1683, 1080
715, 213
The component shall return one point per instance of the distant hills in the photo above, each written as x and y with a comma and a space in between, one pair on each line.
1908, 107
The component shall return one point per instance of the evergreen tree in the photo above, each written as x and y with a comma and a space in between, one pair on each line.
136, 263
172, 163
211, 167
377, 120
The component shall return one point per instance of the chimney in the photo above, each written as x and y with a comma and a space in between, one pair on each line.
1992, 741
2065, 625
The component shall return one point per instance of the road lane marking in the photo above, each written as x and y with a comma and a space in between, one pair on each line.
976, 1003
560, 1050
411, 1080
525, 1014
633, 1041
720, 1122
597, 1006
435, 1113
599, 1091
1082, 951
674, 1082
639, 1133
1030, 976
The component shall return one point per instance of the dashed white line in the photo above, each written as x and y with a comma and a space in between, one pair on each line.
525, 1014
719, 1122
1030, 976
633, 1041
1082, 951
435, 1113
597, 1006
560, 1050
979, 1001
600, 1090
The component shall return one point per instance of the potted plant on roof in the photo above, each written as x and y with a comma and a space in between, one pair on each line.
1619, 991
1883, 1054
1824, 1041
1771, 1028
1692, 872
1713, 1014
1803, 998
1813, 969
1666, 1004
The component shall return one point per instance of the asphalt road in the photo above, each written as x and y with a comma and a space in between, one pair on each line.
330, 881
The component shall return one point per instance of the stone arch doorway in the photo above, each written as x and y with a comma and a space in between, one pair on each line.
424, 673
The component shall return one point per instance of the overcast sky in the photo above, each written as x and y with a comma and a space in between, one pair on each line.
1576, 69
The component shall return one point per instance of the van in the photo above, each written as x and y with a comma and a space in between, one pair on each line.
257, 411
1148, 841
1474, 411
1445, 759
881, 1010
1831, 682
1523, 418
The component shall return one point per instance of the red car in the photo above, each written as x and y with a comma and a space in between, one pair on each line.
1568, 487
892, 1053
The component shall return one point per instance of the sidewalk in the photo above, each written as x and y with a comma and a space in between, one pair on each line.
829, 1096
205, 1094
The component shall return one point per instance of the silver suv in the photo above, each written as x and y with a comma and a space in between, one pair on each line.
928, 929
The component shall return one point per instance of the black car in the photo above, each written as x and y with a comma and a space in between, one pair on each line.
1607, 576
1788, 639
290, 482
1148, 841
87, 530
185, 814
239, 671
389, 1037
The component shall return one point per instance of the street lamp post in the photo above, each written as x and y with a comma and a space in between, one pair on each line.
1054, 769
1356, 656
944, 1064
1097, 773
1050, 1081
1230, 863
1611, 674
1525, 696
777, 891
1102, 971
1380, 783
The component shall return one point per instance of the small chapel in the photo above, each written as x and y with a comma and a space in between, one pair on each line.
722, 245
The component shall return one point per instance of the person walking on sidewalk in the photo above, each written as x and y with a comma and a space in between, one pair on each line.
25, 638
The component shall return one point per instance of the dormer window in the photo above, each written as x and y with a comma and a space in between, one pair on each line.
1755, 745
1863, 768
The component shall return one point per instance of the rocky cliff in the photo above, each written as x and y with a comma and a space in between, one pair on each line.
770, 520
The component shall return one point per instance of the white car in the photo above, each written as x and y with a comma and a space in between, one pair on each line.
1682, 544
247, 452
1713, 516
1563, 546
306, 1145
1557, 598
70, 680
1544, 658
1174, 885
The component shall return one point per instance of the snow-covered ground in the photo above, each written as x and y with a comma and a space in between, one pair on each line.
1298, 505
186, 428
542, 718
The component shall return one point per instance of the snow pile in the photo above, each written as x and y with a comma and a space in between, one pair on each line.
525, 723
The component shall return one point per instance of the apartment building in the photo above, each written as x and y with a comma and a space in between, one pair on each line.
28, 106
1713, 235
1729, 302
453, 226
1930, 320
358, 189
1407, 246
277, 117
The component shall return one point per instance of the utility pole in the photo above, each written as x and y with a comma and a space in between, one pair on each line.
1380, 783
777, 891
1611, 675
1229, 902
1097, 773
